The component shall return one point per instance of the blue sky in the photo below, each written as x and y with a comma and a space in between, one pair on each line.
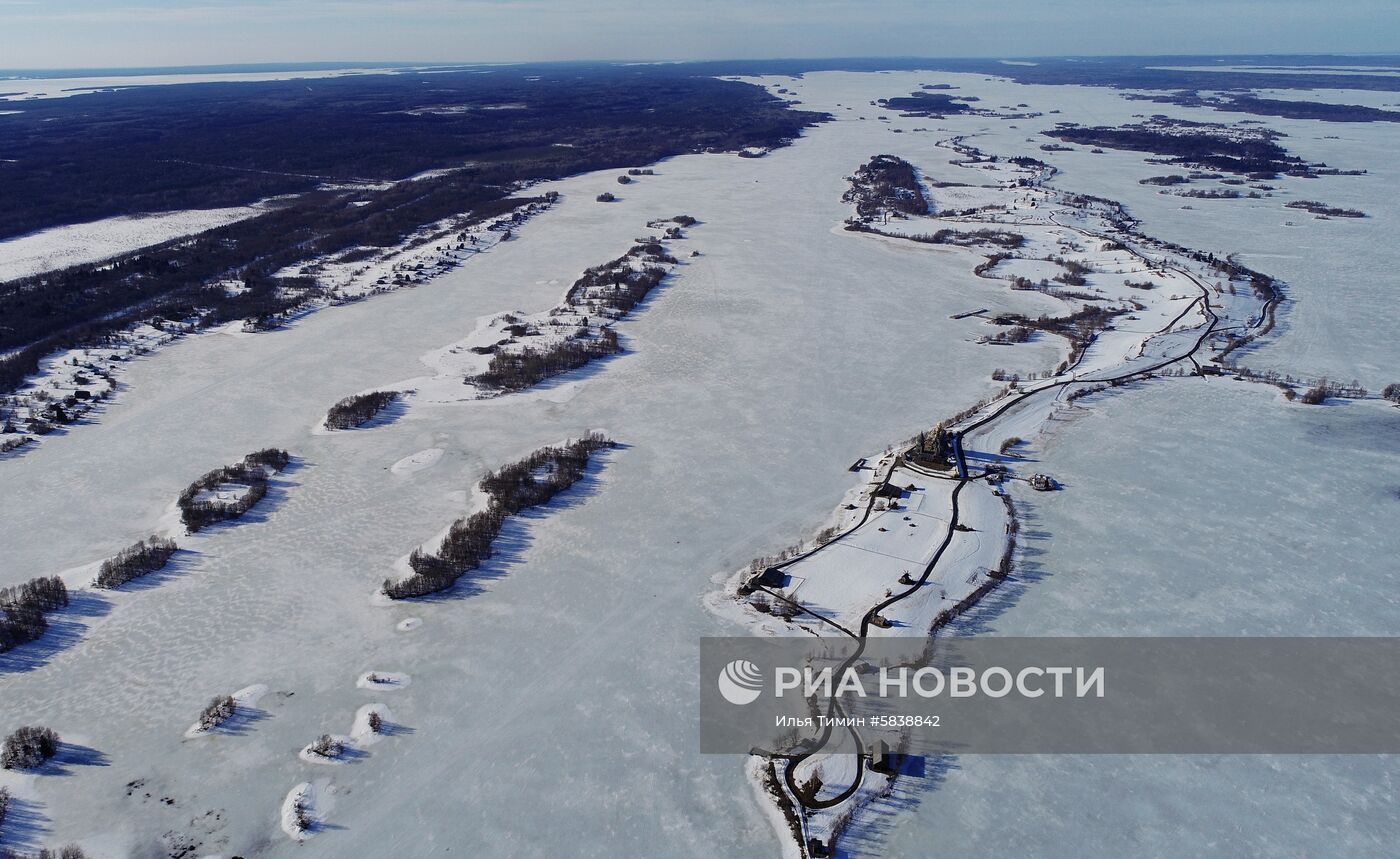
111, 33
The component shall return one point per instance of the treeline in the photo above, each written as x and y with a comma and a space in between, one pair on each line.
527, 483
961, 238
358, 409
251, 473
180, 280
22, 609
68, 851
516, 371
886, 183
1000, 238
1288, 109
1318, 208
136, 560
198, 146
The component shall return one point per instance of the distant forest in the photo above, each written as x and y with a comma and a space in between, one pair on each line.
174, 147
1209, 148
934, 105
163, 148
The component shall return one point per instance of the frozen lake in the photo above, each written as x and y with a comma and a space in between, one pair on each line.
554, 713
1202, 531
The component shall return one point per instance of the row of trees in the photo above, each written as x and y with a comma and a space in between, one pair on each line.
136, 560
529, 482
1318, 208
1325, 388
68, 851
197, 512
516, 371
358, 409
968, 238
22, 609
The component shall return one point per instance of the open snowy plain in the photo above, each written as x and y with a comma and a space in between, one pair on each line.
552, 703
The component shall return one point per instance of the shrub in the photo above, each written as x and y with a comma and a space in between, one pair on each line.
375, 721
220, 710
605, 197
136, 560
326, 746
1316, 395
10, 444
28, 747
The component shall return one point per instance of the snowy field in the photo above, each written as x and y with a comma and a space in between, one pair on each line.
22, 88
76, 244
552, 710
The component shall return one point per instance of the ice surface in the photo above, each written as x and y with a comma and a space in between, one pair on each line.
1192, 508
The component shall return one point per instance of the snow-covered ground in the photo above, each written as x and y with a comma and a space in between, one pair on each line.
80, 379
24, 88
95, 241
555, 712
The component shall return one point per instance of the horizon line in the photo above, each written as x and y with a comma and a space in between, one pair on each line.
275, 65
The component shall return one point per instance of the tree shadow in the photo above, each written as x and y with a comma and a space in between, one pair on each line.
244, 719
25, 826
65, 629
385, 416
71, 755
180, 563
870, 830
394, 729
